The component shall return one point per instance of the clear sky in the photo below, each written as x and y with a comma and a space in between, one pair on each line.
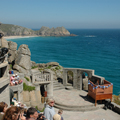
57, 13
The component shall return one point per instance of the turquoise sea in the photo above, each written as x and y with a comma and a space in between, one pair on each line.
97, 49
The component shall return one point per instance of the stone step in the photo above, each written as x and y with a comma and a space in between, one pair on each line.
58, 88
57, 85
73, 106
54, 83
69, 87
68, 84
77, 108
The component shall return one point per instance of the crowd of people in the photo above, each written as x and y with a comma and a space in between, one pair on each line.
21, 113
15, 80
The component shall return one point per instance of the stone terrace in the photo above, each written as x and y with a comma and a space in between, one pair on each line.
79, 98
72, 97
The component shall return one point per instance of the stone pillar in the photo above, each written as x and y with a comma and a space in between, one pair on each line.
33, 78
50, 87
64, 77
80, 80
18, 95
37, 93
75, 77
85, 83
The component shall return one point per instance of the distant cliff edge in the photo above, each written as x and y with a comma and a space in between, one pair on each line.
15, 30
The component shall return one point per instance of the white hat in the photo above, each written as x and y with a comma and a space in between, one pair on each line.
56, 117
13, 74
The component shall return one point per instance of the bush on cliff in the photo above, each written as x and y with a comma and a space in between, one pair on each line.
116, 99
28, 88
27, 78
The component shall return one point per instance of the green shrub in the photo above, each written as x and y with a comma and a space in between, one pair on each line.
28, 88
34, 67
58, 68
27, 78
48, 67
116, 99
40, 110
11, 66
41, 69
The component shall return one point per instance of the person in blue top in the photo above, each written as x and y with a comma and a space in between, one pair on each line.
60, 113
49, 109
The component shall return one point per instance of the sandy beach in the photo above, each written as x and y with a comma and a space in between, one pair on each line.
14, 37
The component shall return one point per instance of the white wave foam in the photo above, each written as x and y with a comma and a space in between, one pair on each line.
90, 36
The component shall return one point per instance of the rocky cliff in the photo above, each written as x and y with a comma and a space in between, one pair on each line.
15, 30
59, 31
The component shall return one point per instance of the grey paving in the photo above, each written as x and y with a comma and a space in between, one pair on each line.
75, 97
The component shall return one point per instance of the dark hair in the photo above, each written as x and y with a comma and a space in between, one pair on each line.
11, 113
31, 111
2, 105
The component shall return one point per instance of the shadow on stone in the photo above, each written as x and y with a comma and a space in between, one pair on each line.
87, 98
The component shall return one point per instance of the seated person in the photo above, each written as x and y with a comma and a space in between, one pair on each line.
3, 108
17, 79
12, 80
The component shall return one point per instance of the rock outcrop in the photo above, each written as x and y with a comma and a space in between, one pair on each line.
22, 61
59, 31
15, 30
4, 43
12, 51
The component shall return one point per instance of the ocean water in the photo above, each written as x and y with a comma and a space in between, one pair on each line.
90, 49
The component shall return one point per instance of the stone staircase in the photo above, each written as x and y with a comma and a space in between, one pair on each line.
77, 108
57, 85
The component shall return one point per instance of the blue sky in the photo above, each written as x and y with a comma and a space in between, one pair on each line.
57, 13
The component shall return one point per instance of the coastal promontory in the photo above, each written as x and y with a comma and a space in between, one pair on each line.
15, 30
59, 31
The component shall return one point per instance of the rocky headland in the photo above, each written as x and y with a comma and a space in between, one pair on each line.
15, 30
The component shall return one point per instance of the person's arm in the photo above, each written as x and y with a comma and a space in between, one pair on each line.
22, 117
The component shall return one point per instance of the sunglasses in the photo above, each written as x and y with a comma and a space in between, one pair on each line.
51, 102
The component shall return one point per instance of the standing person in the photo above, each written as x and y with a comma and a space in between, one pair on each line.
49, 109
60, 113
